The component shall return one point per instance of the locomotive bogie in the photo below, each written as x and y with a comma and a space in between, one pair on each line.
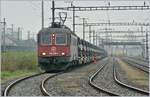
53, 63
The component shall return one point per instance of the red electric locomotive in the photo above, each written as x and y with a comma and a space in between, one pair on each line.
59, 48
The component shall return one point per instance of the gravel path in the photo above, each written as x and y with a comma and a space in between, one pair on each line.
105, 80
75, 83
28, 87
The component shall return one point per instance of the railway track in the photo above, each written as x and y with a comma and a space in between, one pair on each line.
44, 91
126, 85
142, 59
117, 81
43, 84
9, 87
142, 67
96, 86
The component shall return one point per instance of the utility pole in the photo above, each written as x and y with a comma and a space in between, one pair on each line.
143, 48
83, 27
83, 24
4, 43
42, 6
126, 50
73, 18
53, 13
94, 37
18, 34
0, 11
99, 41
28, 35
147, 52
90, 34
12, 28
123, 49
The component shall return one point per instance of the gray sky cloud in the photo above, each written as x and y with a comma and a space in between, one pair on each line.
27, 14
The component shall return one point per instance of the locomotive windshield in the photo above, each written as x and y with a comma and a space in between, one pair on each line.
45, 39
61, 39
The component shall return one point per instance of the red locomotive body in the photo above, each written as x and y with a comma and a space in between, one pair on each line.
59, 48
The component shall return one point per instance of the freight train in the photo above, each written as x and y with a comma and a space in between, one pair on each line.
60, 48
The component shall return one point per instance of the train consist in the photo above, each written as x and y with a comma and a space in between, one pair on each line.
59, 48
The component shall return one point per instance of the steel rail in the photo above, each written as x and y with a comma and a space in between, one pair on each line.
9, 87
132, 63
91, 83
142, 59
126, 85
43, 84
139, 63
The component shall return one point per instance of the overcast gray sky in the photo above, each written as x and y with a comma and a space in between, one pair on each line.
27, 14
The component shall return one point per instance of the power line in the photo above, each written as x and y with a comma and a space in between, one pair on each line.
75, 0
94, 8
34, 6
116, 24
42, 12
0, 11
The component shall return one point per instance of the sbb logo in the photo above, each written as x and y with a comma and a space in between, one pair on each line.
53, 49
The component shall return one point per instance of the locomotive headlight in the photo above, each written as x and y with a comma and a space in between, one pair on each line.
63, 53
43, 53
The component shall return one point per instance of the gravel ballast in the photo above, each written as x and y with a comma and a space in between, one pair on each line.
123, 77
105, 80
28, 87
75, 83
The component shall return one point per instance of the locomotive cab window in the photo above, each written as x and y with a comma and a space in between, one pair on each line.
61, 39
45, 39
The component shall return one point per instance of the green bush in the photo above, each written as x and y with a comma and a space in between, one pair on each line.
12, 61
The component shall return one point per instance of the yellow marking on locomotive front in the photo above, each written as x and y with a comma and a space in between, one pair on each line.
135, 75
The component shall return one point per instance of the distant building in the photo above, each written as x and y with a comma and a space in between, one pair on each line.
12, 41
